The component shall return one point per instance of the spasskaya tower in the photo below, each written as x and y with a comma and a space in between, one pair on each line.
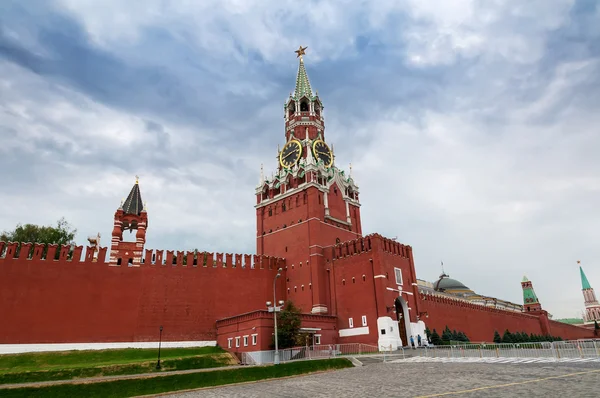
308, 204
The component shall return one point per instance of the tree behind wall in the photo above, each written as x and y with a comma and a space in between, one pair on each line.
62, 234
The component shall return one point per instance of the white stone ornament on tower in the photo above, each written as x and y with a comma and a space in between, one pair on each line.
262, 175
309, 155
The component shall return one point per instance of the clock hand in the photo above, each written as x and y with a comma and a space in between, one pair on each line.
288, 156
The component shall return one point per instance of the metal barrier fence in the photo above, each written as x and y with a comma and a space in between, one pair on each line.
309, 352
557, 350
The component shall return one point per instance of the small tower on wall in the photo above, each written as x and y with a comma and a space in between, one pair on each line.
592, 307
530, 300
130, 216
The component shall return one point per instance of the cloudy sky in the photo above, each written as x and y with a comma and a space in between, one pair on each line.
472, 126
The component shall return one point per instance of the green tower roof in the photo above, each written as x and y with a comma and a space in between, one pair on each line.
302, 83
529, 296
584, 282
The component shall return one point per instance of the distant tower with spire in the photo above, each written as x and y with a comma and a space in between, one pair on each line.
592, 307
530, 300
129, 216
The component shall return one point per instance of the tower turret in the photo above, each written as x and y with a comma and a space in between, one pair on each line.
530, 300
130, 215
303, 110
592, 307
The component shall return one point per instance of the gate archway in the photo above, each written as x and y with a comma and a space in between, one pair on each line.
403, 318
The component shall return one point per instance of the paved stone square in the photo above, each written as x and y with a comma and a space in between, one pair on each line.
429, 380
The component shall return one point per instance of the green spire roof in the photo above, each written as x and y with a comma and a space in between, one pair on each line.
584, 282
302, 83
529, 296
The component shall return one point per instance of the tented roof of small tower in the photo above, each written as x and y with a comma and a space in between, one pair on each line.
133, 204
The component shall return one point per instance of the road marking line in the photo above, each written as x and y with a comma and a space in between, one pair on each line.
509, 384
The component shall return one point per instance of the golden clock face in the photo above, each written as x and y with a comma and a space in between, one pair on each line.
290, 154
323, 153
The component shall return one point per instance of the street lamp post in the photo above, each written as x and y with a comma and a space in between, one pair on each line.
159, 341
275, 309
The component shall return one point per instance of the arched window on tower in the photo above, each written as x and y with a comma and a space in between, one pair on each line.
292, 108
317, 110
304, 106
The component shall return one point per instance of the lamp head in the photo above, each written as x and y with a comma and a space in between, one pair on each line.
268, 303
281, 302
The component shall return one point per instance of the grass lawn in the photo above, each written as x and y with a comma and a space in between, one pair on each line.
30, 367
155, 385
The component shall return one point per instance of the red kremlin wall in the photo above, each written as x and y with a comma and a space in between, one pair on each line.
64, 300
479, 323
50, 301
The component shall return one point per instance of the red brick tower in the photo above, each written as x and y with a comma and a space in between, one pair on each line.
129, 216
592, 307
308, 203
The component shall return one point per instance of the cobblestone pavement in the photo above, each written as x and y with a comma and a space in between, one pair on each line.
428, 380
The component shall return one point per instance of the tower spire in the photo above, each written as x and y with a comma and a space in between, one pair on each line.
584, 281
302, 82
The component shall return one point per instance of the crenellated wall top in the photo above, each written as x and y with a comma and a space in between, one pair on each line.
368, 243
463, 303
28, 252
